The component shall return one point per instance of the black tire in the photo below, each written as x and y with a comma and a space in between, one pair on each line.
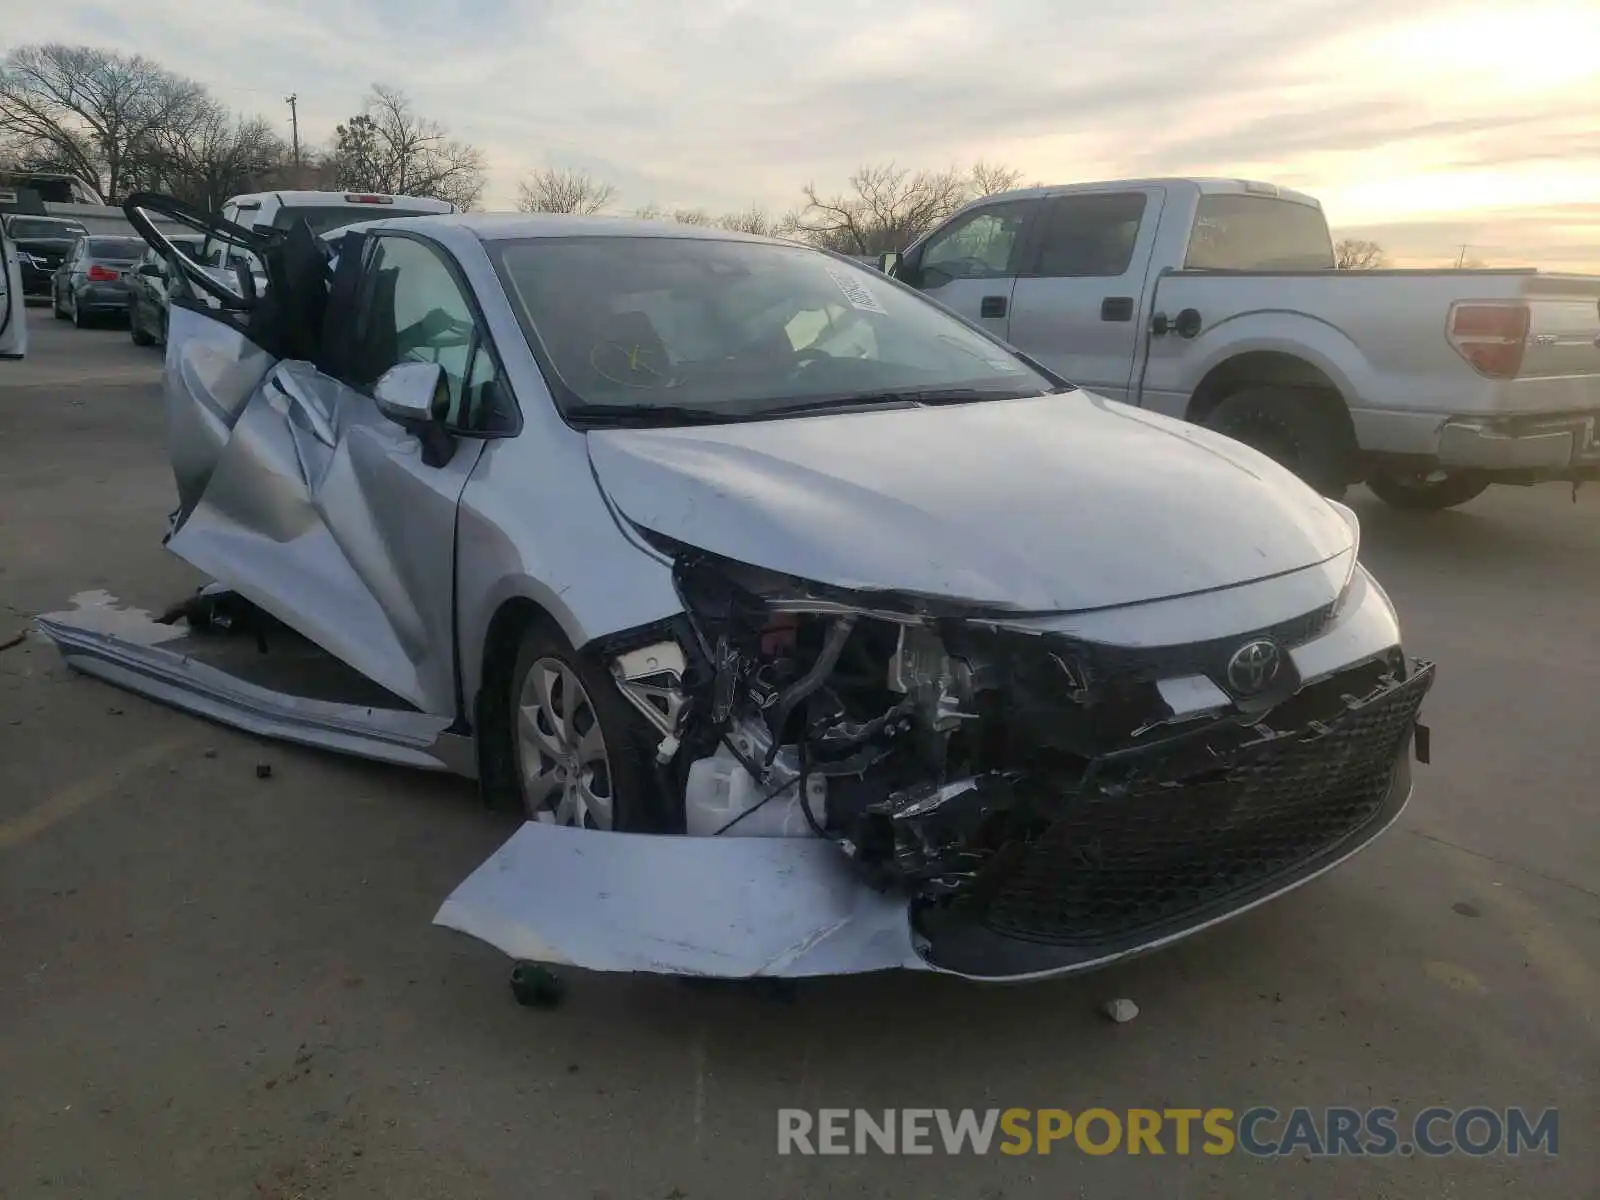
79, 320
1425, 491
1292, 427
135, 330
630, 781
55, 305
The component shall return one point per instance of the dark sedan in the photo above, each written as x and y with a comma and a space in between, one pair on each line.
42, 244
93, 281
147, 294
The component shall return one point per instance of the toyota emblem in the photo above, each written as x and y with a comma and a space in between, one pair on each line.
1254, 666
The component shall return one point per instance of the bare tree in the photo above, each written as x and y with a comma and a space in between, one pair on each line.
756, 220
215, 156
388, 148
91, 112
561, 191
1354, 254
888, 207
988, 179
751, 220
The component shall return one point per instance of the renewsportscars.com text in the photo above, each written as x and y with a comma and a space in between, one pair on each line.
1260, 1131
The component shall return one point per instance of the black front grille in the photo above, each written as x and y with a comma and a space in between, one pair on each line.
1147, 664
1121, 864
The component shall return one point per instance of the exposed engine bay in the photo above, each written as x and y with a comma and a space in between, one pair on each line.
1037, 785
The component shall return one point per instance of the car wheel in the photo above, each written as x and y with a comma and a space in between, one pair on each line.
1291, 427
79, 319
55, 305
137, 331
1424, 490
578, 750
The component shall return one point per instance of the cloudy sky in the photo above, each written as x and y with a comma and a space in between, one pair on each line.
1425, 125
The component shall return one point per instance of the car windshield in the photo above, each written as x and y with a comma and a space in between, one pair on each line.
22, 227
682, 328
116, 249
323, 220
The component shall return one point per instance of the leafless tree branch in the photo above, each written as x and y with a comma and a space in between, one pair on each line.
388, 148
1355, 254
555, 190
92, 111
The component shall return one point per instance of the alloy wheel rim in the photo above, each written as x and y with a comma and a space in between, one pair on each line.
561, 750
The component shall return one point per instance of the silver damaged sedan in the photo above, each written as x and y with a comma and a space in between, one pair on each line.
812, 629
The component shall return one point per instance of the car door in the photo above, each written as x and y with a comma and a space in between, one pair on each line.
1077, 302
64, 273
389, 505
140, 290
970, 264
294, 490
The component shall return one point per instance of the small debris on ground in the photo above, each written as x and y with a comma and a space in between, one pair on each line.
16, 639
209, 754
113, 712
1465, 909
263, 770
535, 986
1121, 1011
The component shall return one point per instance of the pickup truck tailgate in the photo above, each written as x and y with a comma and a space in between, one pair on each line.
1563, 328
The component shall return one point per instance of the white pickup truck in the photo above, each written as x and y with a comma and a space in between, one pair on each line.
1218, 301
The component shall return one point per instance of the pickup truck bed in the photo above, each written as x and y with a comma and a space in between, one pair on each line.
1409, 392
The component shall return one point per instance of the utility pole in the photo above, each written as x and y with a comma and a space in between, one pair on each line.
294, 122
1462, 257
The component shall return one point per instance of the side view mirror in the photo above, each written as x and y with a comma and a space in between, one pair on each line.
888, 262
153, 271
415, 396
410, 393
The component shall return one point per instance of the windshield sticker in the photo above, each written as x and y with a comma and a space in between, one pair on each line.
855, 292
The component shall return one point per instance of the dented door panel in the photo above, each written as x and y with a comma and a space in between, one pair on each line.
320, 511
212, 371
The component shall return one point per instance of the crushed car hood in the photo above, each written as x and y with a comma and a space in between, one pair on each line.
1045, 504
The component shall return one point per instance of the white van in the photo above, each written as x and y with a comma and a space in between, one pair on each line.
325, 211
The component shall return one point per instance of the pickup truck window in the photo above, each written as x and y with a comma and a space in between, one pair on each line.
1089, 235
22, 227
1258, 233
984, 244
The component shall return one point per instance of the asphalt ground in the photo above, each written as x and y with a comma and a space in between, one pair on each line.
216, 985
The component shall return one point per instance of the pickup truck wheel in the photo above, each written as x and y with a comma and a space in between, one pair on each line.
1291, 427
579, 751
1425, 491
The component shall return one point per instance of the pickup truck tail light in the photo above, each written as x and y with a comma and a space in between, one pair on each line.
367, 198
1492, 337
99, 274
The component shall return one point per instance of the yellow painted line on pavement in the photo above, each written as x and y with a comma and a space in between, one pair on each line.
68, 801
1552, 955
1562, 965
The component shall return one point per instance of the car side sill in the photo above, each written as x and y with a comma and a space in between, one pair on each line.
409, 739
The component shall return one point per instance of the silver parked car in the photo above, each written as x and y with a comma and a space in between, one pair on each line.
92, 281
813, 629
